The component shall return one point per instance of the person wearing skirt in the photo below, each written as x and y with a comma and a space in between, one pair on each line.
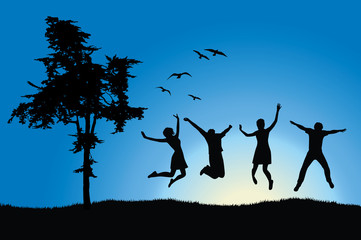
177, 162
262, 155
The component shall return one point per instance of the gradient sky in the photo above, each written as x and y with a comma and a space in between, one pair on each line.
302, 54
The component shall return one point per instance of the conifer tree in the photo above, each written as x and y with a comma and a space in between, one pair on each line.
78, 91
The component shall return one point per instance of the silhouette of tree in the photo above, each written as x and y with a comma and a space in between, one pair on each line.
78, 91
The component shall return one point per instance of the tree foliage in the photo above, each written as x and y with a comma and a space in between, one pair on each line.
77, 90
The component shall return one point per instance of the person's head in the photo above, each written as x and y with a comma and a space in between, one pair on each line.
318, 126
168, 132
260, 124
211, 131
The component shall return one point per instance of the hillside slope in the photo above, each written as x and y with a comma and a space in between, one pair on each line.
171, 218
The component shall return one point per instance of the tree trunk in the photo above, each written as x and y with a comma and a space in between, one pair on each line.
86, 166
86, 182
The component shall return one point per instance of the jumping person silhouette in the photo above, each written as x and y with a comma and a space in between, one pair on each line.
316, 136
262, 154
178, 161
215, 169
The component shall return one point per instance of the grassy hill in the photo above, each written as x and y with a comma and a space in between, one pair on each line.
172, 218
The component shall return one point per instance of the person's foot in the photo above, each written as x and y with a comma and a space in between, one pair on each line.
203, 170
153, 174
331, 184
270, 185
171, 182
254, 179
297, 187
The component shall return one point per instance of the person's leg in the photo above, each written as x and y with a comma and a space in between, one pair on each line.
210, 172
153, 174
218, 165
162, 174
322, 160
268, 175
204, 170
215, 169
308, 160
254, 170
182, 175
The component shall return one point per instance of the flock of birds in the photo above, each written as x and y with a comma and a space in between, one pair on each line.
179, 75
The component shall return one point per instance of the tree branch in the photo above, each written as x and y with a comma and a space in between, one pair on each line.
105, 100
93, 125
110, 96
33, 85
77, 124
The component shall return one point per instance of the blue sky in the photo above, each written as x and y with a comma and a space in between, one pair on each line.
303, 54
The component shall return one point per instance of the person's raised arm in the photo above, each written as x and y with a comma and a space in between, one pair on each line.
177, 130
196, 126
276, 117
246, 134
153, 139
335, 131
299, 126
226, 130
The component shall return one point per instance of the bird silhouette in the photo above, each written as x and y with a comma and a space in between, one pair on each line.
165, 90
201, 55
194, 97
216, 52
178, 75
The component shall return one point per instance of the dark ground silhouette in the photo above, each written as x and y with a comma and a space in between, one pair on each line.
288, 218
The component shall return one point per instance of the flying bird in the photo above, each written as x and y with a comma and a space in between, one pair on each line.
215, 52
178, 75
194, 97
201, 55
165, 90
